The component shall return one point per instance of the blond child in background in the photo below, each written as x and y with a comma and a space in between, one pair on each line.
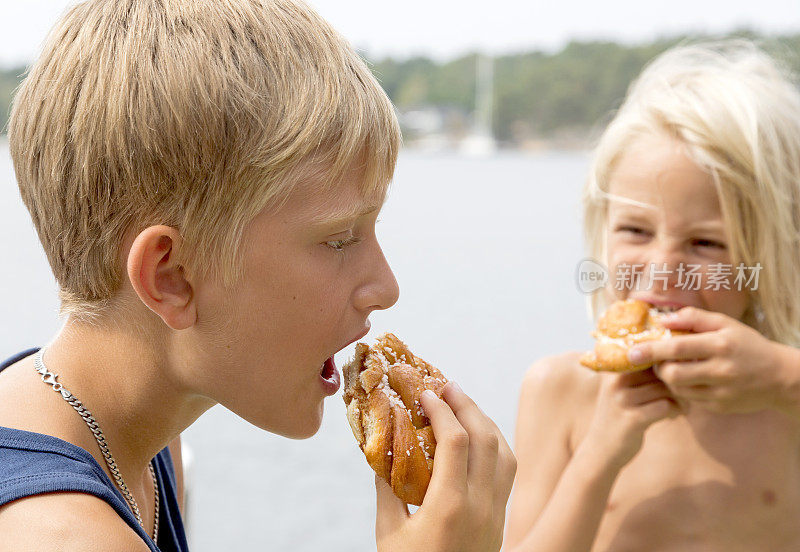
699, 169
205, 178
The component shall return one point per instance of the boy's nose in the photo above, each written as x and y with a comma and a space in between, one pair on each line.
380, 291
662, 276
663, 269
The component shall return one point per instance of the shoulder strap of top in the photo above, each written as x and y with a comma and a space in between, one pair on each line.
34, 463
16, 358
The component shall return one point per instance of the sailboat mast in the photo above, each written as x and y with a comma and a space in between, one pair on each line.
483, 94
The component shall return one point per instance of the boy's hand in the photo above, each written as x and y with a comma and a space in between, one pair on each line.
627, 405
465, 504
726, 366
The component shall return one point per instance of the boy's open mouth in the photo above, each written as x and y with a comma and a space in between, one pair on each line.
328, 369
329, 377
665, 309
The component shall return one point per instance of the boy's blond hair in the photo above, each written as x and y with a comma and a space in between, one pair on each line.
738, 114
197, 114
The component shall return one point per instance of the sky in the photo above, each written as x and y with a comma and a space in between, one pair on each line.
444, 29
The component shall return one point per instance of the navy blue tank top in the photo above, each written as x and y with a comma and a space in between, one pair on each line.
33, 463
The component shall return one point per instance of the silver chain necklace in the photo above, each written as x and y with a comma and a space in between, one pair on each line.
51, 379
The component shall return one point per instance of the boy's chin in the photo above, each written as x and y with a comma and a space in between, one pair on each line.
294, 426
304, 431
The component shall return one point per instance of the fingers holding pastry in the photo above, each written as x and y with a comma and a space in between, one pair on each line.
488, 449
452, 446
491, 463
680, 347
624, 326
462, 505
693, 319
484, 437
627, 404
684, 373
474, 468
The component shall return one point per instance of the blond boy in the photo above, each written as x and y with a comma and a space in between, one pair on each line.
205, 178
699, 168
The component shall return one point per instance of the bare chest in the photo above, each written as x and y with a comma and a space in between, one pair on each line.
709, 482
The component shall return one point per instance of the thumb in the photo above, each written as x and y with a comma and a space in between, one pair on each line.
392, 512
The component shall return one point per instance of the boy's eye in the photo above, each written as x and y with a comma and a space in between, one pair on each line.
342, 244
713, 244
635, 230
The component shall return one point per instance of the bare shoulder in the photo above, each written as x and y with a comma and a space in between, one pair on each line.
560, 392
556, 395
65, 521
559, 377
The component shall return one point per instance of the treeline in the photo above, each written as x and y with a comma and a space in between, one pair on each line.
536, 94
544, 95
9, 80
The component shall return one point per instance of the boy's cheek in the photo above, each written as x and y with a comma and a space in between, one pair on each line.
625, 264
730, 302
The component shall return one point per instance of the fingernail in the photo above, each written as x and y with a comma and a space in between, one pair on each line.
636, 355
671, 317
456, 386
430, 394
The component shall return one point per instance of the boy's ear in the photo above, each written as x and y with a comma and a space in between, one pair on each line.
158, 279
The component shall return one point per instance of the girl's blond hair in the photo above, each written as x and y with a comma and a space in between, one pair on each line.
737, 112
197, 114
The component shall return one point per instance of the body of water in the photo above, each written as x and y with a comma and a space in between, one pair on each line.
485, 251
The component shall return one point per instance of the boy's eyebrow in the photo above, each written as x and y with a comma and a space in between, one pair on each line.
701, 226
345, 214
709, 226
628, 201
